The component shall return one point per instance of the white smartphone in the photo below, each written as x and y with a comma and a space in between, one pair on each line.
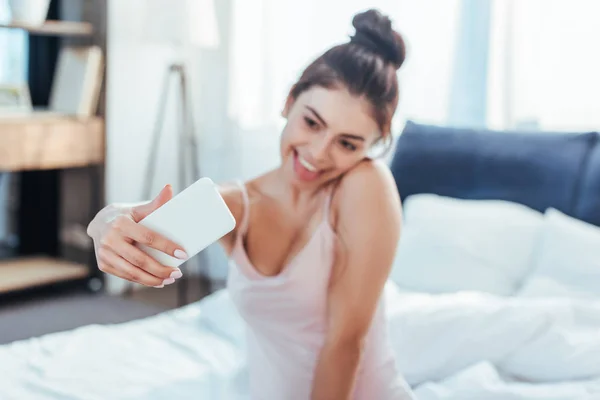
195, 218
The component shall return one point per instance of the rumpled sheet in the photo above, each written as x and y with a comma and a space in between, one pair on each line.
463, 346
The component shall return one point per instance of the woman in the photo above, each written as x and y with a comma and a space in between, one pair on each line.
315, 237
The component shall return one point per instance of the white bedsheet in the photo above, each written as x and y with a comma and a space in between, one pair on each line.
464, 346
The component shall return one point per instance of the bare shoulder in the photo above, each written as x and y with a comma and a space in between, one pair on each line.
367, 189
373, 173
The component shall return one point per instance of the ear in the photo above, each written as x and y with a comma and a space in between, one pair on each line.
381, 147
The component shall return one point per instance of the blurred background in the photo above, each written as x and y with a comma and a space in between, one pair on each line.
494, 290
83, 85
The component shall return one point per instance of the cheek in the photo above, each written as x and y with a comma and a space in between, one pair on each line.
293, 135
287, 141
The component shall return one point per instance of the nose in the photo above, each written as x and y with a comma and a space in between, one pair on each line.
320, 149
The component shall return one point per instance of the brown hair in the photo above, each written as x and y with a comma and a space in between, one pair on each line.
366, 66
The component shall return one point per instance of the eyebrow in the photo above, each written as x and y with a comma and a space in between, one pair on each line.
317, 116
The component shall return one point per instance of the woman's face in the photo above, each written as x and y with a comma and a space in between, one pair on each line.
328, 131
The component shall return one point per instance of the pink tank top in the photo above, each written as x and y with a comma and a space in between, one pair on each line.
286, 320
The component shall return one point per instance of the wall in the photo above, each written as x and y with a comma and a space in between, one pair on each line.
135, 72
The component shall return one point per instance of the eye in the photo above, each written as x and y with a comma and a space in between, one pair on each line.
311, 123
348, 145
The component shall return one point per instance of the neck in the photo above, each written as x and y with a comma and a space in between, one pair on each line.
292, 192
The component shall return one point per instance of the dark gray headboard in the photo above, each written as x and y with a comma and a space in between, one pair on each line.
537, 169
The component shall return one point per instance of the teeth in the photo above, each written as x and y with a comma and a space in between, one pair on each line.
306, 164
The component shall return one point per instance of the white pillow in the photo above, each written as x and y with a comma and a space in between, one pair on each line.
449, 245
567, 260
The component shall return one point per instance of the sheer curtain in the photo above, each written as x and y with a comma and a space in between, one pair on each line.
544, 66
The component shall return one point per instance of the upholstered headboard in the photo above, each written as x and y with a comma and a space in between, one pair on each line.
537, 169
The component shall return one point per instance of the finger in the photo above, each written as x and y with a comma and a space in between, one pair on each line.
104, 264
123, 269
109, 269
142, 211
141, 234
138, 258
113, 271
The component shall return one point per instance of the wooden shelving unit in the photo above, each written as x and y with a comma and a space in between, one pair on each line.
27, 272
55, 28
45, 146
50, 142
38, 142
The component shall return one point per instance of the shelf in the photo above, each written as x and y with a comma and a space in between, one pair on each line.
27, 272
46, 141
54, 28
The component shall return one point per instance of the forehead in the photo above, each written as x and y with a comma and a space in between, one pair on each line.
342, 111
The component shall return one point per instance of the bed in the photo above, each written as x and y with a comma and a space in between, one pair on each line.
494, 293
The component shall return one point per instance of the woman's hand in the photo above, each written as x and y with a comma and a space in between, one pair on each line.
115, 230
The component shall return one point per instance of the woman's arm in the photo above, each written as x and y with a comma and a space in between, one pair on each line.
368, 227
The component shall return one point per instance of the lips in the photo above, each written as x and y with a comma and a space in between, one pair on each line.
304, 169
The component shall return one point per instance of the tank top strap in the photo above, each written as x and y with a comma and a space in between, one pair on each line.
243, 227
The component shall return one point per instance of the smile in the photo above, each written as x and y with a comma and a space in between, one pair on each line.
306, 164
304, 170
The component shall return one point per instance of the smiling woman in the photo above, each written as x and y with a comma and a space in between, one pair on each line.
315, 237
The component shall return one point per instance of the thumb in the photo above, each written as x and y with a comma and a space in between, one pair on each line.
142, 211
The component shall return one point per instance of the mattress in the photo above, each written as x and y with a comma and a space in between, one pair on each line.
458, 346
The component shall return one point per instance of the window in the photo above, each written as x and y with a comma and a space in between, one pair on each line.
13, 60
544, 71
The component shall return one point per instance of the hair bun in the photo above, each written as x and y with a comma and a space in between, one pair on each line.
374, 31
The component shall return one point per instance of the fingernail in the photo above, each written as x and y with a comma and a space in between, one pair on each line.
181, 254
176, 274
160, 286
168, 281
